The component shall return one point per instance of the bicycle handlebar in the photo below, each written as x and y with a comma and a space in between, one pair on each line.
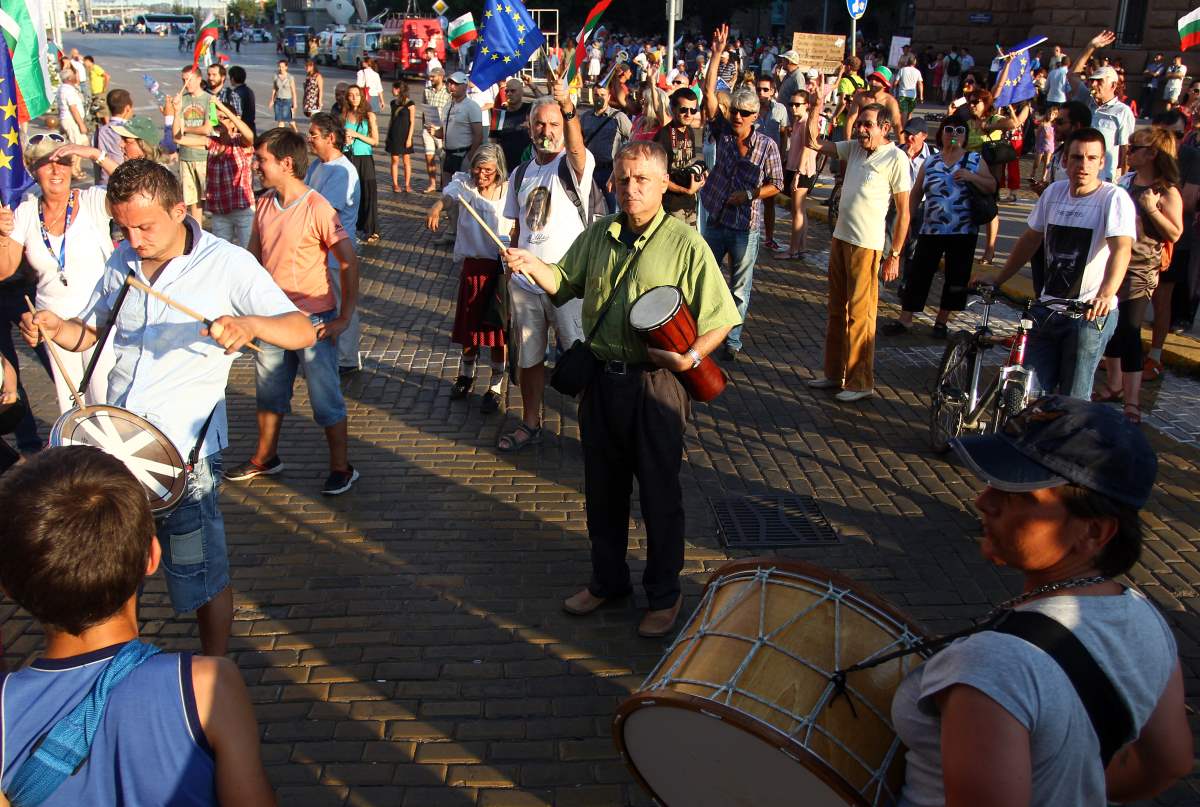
1065, 306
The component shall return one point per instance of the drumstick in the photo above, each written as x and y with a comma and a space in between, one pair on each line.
53, 348
213, 328
491, 233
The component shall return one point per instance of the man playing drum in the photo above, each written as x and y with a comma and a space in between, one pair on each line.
633, 411
173, 372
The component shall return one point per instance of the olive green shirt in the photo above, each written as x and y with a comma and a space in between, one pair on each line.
675, 255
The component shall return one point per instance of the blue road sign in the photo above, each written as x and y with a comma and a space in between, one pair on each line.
857, 8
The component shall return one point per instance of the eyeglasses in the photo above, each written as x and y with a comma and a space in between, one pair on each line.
742, 113
686, 110
53, 137
798, 104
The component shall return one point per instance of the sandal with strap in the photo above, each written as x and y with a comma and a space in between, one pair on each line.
1109, 396
520, 437
1133, 413
462, 385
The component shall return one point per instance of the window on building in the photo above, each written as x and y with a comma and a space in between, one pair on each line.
1131, 21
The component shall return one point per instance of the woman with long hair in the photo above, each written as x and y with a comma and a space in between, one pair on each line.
800, 175
485, 189
400, 135
314, 89
656, 111
1153, 182
362, 135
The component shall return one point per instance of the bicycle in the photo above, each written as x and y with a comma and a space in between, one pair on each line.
956, 404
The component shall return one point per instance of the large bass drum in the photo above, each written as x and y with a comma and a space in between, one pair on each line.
742, 711
148, 454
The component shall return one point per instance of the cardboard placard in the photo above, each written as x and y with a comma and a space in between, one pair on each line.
822, 51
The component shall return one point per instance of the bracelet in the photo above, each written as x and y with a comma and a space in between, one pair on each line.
696, 357
79, 341
102, 156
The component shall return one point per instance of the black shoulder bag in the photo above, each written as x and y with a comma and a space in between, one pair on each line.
575, 368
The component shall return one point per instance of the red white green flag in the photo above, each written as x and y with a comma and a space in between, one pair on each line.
1189, 30
25, 36
206, 38
589, 27
461, 30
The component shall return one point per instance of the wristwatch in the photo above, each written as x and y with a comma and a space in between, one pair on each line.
569, 115
893, 253
696, 359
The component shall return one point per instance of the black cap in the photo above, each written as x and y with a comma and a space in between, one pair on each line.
1059, 440
916, 125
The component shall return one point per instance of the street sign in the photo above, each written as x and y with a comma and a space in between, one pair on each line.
980, 18
675, 10
440, 7
857, 8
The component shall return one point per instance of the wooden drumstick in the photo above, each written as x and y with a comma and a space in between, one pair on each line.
54, 354
213, 328
491, 233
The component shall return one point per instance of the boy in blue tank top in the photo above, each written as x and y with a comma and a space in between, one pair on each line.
78, 539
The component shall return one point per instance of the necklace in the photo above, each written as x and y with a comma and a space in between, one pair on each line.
1048, 588
61, 257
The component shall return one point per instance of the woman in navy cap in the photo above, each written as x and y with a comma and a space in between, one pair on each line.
999, 717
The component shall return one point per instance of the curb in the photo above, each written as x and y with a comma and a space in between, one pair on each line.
1181, 352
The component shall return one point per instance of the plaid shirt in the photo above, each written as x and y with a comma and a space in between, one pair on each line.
733, 172
229, 177
436, 101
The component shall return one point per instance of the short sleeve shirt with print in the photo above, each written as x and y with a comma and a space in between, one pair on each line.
1115, 121
294, 242
1074, 230
194, 111
947, 202
872, 179
548, 219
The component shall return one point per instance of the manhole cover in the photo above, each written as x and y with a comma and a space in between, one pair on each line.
760, 522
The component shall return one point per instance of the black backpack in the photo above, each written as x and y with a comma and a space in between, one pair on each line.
596, 204
953, 66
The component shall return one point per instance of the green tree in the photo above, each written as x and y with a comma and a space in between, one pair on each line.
243, 11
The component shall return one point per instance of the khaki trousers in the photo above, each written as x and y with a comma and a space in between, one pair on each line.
853, 302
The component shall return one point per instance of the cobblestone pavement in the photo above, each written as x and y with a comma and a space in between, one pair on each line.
404, 643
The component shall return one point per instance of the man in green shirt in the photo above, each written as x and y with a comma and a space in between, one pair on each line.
632, 414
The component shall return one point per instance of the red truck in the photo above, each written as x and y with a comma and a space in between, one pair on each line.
402, 46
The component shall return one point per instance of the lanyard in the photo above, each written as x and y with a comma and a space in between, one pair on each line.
62, 255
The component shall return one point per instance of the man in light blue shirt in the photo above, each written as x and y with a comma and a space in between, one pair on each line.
333, 176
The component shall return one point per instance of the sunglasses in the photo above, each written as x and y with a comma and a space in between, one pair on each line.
742, 113
53, 137
797, 104
686, 110
955, 130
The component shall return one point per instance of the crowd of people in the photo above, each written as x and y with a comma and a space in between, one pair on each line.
563, 210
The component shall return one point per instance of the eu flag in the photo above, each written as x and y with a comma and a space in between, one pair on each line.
1016, 79
14, 179
508, 40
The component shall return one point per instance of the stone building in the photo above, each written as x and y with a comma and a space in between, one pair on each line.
1143, 27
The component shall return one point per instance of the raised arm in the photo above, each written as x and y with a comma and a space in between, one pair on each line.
814, 127
572, 132
719, 38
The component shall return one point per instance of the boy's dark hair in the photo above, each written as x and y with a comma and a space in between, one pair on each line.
282, 143
76, 535
1078, 113
139, 176
238, 74
1085, 135
118, 100
682, 94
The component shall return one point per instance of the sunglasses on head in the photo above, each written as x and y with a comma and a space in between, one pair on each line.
742, 113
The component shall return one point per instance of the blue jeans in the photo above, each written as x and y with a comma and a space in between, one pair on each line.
275, 377
195, 559
742, 248
1063, 351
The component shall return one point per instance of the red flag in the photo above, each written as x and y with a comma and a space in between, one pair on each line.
589, 26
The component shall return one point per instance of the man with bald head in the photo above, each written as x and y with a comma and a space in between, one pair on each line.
633, 412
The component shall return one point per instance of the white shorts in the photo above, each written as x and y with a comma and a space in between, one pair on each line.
432, 144
532, 315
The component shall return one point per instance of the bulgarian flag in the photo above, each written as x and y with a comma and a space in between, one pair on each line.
1189, 30
589, 27
461, 30
25, 35
205, 37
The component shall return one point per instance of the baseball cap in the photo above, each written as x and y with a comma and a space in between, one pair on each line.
883, 74
790, 56
916, 125
142, 128
1059, 440
813, 73
1104, 73
458, 77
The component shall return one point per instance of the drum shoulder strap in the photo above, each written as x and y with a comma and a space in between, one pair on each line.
1108, 712
194, 457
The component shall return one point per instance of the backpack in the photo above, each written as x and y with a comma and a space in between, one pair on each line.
953, 66
596, 204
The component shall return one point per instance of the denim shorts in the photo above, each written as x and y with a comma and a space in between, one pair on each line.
195, 560
275, 376
283, 110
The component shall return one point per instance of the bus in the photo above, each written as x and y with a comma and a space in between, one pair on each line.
165, 23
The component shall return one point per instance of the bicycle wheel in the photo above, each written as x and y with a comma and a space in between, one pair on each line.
949, 399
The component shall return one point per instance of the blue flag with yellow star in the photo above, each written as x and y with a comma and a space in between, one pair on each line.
1016, 79
508, 40
14, 179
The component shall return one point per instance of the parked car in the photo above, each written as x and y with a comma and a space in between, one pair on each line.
260, 35
295, 41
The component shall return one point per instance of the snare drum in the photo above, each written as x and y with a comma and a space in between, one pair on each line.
148, 454
742, 709
661, 319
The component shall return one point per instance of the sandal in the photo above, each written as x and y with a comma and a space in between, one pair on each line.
373, 238
1109, 396
520, 437
1133, 413
490, 403
462, 385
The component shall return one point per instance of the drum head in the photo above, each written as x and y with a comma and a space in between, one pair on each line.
654, 308
147, 453
694, 757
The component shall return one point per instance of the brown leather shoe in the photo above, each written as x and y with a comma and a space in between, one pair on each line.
583, 603
656, 624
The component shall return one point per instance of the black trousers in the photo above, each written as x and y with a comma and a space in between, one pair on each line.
959, 253
632, 425
364, 164
1126, 341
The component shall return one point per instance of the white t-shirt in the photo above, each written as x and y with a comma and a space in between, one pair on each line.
1056, 85
1074, 230
483, 98
907, 80
89, 246
369, 79
472, 241
68, 96
871, 182
1115, 121
549, 222
1175, 76
433, 64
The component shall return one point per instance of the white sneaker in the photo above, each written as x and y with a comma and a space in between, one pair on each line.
852, 395
823, 383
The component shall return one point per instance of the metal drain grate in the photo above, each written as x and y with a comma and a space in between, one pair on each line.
763, 522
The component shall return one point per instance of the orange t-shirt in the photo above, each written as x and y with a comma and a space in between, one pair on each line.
295, 242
